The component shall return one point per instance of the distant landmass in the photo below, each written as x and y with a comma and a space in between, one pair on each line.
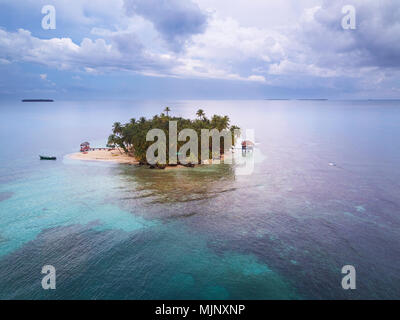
310, 99
37, 100
305, 99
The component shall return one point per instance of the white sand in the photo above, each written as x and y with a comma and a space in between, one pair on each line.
104, 155
118, 157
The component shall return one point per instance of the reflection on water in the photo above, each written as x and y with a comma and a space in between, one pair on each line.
179, 184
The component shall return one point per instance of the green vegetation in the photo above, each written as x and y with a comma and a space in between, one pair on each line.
131, 137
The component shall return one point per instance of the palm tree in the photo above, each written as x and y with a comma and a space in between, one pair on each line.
111, 140
225, 122
117, 128
216, 122
114, 141
235, 134
200, 113
167, 109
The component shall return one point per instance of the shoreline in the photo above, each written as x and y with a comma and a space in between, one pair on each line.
104, 155
121, 158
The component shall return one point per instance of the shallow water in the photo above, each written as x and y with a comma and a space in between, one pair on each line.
125, 232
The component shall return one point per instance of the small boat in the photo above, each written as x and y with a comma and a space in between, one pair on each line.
47, 158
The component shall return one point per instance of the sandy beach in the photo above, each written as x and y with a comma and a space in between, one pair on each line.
104, 155
118, 157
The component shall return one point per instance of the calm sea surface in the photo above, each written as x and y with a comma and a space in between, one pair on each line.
123, 232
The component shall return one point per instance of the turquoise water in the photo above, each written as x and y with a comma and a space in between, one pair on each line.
124, 232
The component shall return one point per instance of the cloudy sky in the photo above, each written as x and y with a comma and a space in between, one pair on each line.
200, 49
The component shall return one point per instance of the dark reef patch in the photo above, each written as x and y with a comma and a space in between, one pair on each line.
6, 195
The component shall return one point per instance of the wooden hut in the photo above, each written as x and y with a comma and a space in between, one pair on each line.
247, 145
85, 146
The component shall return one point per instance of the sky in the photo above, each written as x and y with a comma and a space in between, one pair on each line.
200, 49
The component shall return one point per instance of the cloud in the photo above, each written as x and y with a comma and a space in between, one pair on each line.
372, 44
286, 67
273, 43
175, 20
369, 56
121, 52
79, 12
227, 50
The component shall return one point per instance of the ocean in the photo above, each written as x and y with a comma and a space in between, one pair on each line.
325, 193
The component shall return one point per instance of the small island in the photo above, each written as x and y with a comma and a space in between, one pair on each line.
127, 143
37, 100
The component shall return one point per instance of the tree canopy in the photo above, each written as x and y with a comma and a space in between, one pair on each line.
131, 137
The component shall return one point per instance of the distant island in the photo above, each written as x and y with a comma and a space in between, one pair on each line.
311, 99
37, 100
